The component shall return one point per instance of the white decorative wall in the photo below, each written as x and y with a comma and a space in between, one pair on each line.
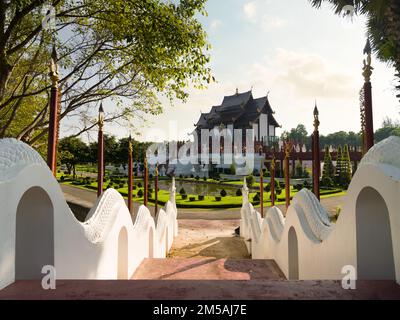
307, 246
37, 227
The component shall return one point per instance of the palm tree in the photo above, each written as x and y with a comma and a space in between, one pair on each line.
383, 26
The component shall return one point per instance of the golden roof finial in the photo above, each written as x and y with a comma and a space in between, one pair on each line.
54, 76
367, 69
316, 117
130, 147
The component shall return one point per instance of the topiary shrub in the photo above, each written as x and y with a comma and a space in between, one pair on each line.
278, 191
62, 178
218, 198
201, 198
139, 185
182, 191
223, 193
239, 192
151, 176
307, 184
134, 187
327, 182
267, 188
184, 196
121, 185
192, 199
181, 176
150, 190
140, 193
205, 179
250, 180
256, 198
197, 178
298, 187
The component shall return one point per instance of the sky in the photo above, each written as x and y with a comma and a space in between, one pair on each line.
295, 52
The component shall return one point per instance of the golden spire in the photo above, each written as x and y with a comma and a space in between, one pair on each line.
54, 76
130, 147
288, 148
316, 117
101, 116
367, 69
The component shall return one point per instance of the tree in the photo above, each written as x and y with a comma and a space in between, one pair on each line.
250, 180
389, 128
328, 171
73, 151
298, 134
346, 170
299, 171
339, 164
383, 26
128, 51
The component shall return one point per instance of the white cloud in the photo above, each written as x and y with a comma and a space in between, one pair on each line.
254, 12
250, 10
215, 24
269, 23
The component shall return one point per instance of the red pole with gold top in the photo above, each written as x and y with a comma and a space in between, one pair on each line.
100, 152
316, 154
288, 148
261, 190
130, 175
53, 117
273, 181
156, 191
369, 123
146, 182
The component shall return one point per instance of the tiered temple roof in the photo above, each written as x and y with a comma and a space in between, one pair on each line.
240, 109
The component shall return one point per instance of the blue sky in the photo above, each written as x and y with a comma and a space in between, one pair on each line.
292, 50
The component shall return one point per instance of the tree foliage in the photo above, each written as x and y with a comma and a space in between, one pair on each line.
328, 171
127, 51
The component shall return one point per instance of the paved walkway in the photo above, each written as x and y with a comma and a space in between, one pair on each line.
200, 290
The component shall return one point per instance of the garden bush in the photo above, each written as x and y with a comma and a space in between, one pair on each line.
327, 182
256, 198
197, 178
181, 176
267, 188
223, 193
134, 187
139, 185
239, 192
298, 187
217, 198
182, 191
278, 191
307, 185
250, 180
192, 199
184, 196
121, 185
62, 178
205, 179
201, 198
